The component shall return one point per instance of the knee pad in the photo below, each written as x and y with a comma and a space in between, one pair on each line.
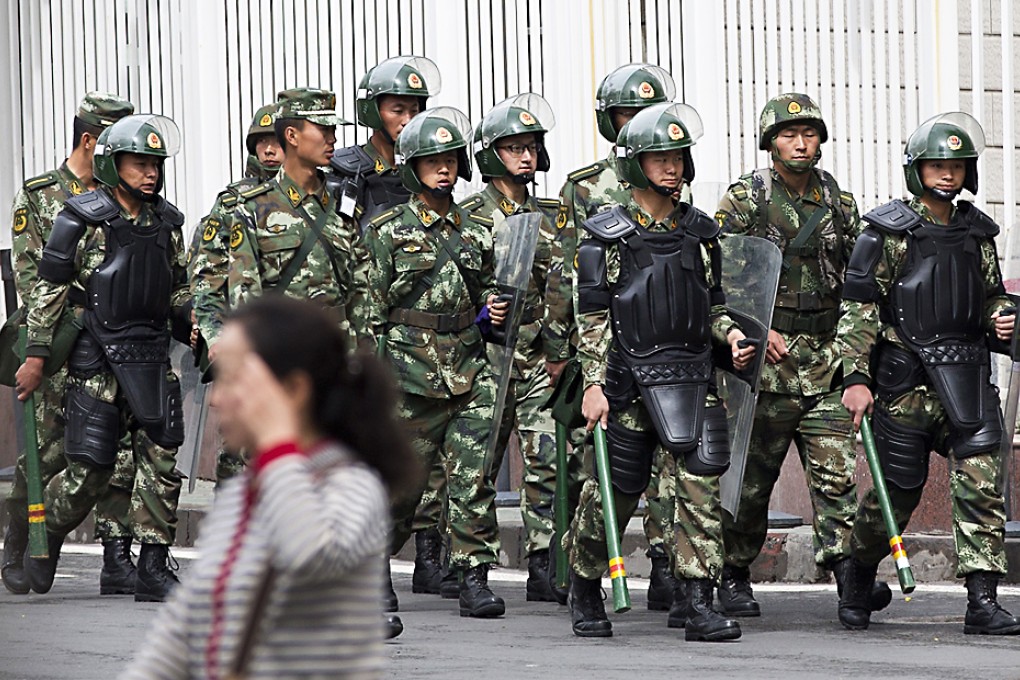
712, 454
630, 457
92, 429
988, 437
902, 450
169, 433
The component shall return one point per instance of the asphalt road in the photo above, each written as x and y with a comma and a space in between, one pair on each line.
74, 633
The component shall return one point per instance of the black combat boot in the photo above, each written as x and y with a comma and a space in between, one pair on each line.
475, 597
394, 626
678, 613
858, 581
12, 567
449, 585
538, 587
661, 582
736, 598
428, 564
40, 573
984, 615
155, 580
119, 573
560, 594
881, 595
587, 612
704, 623
390, 603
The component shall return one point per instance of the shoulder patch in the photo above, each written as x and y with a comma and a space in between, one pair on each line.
471, 202
41, 181
20, 220
586, 172
258, 190
386, 216
894, 217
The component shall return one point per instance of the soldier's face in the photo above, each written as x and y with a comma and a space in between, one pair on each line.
268, 150
622, 115
396, 110
943, 174
139, 171
438, 171
797, 143
519, 153
663, 168
311, 142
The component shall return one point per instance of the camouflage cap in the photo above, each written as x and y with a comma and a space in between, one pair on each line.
306, 103
103, 110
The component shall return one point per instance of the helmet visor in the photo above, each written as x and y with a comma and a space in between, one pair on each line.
147, 133
516, 115
947, 135
412, 76
433, 131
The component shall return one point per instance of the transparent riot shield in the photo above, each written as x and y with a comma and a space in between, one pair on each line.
1009, 376
195, 400
514, 242
751, 268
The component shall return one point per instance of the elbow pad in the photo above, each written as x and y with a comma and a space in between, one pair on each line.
57, 263
592, 284
860, 285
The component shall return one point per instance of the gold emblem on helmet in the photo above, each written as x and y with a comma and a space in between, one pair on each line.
793, 108
954, 143
154, 141
527, 118
414, 81
675, 132
645, 90
266, 120
443, 135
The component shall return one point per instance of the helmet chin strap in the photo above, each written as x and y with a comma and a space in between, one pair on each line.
440, 192
665, 191
138, 193
798, 167
942, 195
524, 178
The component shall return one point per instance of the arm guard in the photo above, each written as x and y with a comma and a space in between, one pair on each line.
592, 282
860, 285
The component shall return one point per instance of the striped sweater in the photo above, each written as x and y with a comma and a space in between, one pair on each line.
322, 523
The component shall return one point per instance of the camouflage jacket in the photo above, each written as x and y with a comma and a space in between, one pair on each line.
266, 229
404, 243
586, 192
595, 334
36, 205
811, 281
491, 207
209, 258
50, 298
860, 326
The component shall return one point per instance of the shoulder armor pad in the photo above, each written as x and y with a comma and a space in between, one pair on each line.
351, 161
385, 217
93, 206
481, 219
699, 224
894, 217
471, 202
611, 225
586, 172
58, 259
169, 213
977, 220
257, 190
41, 181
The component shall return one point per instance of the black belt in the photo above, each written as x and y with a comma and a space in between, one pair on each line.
814, 323
441, 323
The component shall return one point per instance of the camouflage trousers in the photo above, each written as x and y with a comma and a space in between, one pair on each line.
229, 464
696, 536
111, 520
979, 513
454, 433
822, 429
155, 486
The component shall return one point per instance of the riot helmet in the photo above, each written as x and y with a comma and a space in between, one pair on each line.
663, 127
520, 114
632, 85
407, 76
429, 133
945, 136
147, 134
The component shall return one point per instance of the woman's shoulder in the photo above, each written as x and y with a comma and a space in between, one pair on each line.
338, 462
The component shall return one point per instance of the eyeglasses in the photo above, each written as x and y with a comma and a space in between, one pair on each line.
517, 150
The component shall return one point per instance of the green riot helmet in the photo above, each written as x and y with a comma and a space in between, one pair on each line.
791, 108
262, 124
633, 85
147, 134
407, 76
521, 114
947, 135
429, 133
662, 127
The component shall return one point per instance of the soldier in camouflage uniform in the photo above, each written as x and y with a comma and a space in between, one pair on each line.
432, 273
923, 302
509, 150
801, 209
122, 246
285, 234
35, 207
586, 192
653, 242
209, 255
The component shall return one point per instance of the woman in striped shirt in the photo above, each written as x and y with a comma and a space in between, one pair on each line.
290, 575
